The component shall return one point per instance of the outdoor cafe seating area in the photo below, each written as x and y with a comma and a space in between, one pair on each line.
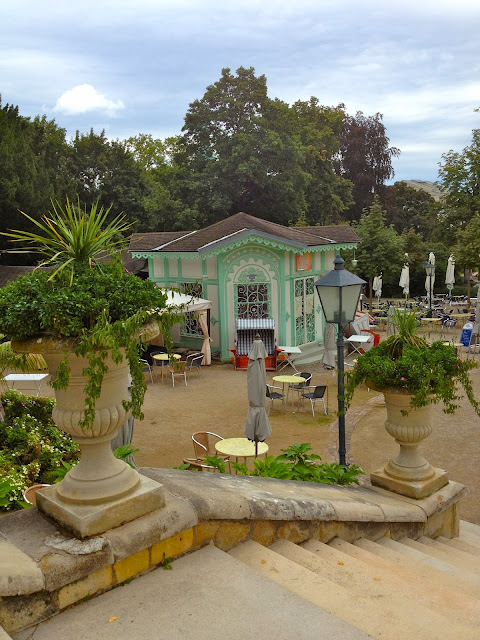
177, 366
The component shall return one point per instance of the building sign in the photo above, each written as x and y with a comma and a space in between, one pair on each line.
303, 262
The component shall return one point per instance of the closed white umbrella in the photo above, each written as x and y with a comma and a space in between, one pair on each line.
405, 280
430, 280
377, 286
450, 274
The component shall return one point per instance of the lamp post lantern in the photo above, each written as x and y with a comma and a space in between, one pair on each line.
339, 293
430, 270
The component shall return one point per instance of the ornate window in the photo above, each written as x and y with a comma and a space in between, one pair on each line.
253, 300
191, 326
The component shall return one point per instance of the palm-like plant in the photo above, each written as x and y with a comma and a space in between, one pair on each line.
71, 237
406, 335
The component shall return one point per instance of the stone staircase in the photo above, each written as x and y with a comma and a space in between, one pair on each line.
406, 589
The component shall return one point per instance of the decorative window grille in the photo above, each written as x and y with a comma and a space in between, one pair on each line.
191, 326
253, 300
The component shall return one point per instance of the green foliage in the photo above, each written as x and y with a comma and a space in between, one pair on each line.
296, 463
32, 448
166, 563
459, 175
430, 373
9, 499
381, 248
125, 451
218, 463
102, 307
23, 362
365, 158
410, 209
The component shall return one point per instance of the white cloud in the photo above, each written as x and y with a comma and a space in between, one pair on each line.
84, 98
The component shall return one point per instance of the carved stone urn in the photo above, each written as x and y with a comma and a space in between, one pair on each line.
100, 492
408, 474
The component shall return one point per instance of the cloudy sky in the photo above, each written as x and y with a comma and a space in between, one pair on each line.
134, 66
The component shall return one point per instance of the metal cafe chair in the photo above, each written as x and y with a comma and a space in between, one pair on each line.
178, 368
273, 395
146, 367
194, 361
319, 392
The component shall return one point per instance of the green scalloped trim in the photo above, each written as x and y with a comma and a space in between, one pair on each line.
240, 243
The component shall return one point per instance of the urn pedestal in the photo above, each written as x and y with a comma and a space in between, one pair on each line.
100, 492
408, 474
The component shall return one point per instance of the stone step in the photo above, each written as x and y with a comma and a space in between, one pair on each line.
464, 558
452, 556
426, 575
470, 533
371, 608
470, 528
460, 543
207, 594
411, 583
441, 566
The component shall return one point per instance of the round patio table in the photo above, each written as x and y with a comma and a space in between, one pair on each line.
287, 380
166, 358
240, 448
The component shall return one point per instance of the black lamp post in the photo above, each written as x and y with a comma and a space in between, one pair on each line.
339, 292
430, 269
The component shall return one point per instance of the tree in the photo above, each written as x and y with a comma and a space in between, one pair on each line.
327, 194
105, 172
365, 158
467, 250
241, 159
32, 160
167, 182
459, 175
409, 208
381, 249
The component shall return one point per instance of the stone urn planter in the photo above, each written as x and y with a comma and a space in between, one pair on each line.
408, 473
100, 492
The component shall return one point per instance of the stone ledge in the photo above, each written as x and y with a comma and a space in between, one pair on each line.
19, 575
177, 515
220, 497
200, 509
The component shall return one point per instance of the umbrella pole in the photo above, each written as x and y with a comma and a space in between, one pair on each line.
256, 448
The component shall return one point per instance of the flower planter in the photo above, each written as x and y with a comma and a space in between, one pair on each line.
408, 474
99, 483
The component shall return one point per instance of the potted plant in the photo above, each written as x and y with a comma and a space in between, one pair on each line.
86, 316
412, 375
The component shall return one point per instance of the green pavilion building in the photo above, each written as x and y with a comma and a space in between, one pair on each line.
250, 269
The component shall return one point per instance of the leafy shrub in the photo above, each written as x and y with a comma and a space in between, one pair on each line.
295, 463
32, 448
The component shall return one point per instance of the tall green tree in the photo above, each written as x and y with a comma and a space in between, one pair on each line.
365, 158
459, 176
105, 172
32, 167
381, 248
408, 208
241, 159
327, 194
467, 250
167, 182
